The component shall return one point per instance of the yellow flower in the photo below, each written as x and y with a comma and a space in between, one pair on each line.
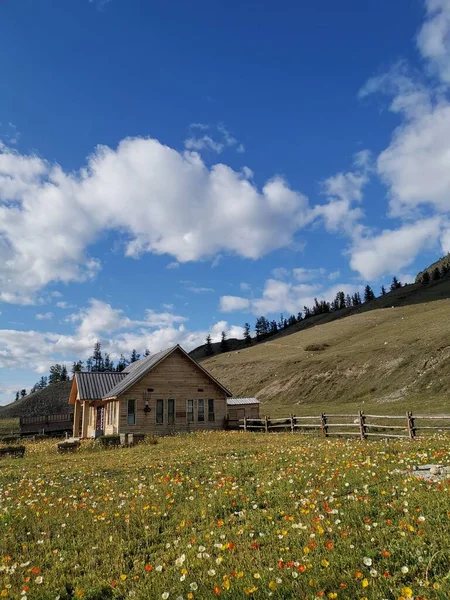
332, 595
365, 582
250, 590
436, 586
123, 577
4, 593
407, 592
240, 574
272, 586
324, 563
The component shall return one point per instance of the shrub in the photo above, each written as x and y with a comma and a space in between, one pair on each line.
67, 446
109, 440
16, 451
316, 347
10, 439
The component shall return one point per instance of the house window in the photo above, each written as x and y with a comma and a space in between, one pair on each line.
131, 412
171, 411
211, 415
190, 411
160, 411
201, 411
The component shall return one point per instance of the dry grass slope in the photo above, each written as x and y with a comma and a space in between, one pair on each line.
386, 360
52, 399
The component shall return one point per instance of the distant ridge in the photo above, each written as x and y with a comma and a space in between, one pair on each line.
50, 400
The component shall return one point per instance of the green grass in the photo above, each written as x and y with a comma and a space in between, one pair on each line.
388, 360
8, 426
229, 514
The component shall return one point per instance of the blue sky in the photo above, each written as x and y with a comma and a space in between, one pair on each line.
173, 169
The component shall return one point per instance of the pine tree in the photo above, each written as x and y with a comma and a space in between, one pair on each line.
299, 317
273, 327
77, 367
368, 294
134, 356
108, 364
55, 374
224, 342
425, 278
23, 393
383, 290
247, 336
17, 395
209, 350
395, 284
261, 328
122, 363
445, 269
147, 352
42, 382
280, 322
436, 275
97, 358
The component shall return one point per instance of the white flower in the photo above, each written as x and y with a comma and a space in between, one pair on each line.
165, 595
367, 561
421, 518
39, 579
294, 574
193, 586
180, 561
404, 570
201, 548
159, 568
374, 572
212, 572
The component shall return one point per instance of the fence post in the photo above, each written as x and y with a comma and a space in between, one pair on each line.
266, 424
362, 425
410, 421
323, 423
292, 423
245, 423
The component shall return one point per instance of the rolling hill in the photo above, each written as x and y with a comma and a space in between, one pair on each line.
390, 355
50, 400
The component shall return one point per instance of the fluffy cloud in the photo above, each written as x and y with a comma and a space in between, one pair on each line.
232, 303
434, 39
117, 333
44, 316
392, 250
176, 206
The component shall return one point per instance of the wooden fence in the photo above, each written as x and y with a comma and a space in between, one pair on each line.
359, 425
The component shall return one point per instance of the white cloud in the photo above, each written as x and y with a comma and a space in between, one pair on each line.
343, 190
44, 316
433, 39
244, 286
177, 206
115, 330
173, 265
334, 275
392, 250
63, 304
203, 142
199, 290
302, 274
233, 303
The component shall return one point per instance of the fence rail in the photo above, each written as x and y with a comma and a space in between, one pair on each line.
326, 425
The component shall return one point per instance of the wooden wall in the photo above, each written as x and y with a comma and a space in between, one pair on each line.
176, 377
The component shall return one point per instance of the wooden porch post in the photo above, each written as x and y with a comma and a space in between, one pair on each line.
76, 419
84, 425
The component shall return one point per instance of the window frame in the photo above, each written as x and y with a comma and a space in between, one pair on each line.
211, 413
201, 401
159, 414
171, 411
131, 413
190, 402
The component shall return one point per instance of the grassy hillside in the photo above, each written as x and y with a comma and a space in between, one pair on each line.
52, 399
444, 261
386, 360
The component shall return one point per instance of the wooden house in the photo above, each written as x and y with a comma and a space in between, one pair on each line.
160, 394
238, 408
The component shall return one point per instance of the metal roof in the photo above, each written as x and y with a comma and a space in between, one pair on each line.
238, 401
93, 386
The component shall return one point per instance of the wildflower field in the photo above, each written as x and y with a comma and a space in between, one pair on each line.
226, 514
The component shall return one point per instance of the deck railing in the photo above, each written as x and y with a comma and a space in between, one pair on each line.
359, 425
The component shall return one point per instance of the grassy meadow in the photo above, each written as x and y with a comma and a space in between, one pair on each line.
226, 514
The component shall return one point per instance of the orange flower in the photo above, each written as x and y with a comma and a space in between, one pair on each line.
329, 545
301, 568
312, 544
216, 590
358, 574
35, 570
113, 584
385, 553
254, 545
281, 564
231, 546
148, 568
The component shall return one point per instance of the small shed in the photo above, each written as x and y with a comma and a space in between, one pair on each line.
238, 408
